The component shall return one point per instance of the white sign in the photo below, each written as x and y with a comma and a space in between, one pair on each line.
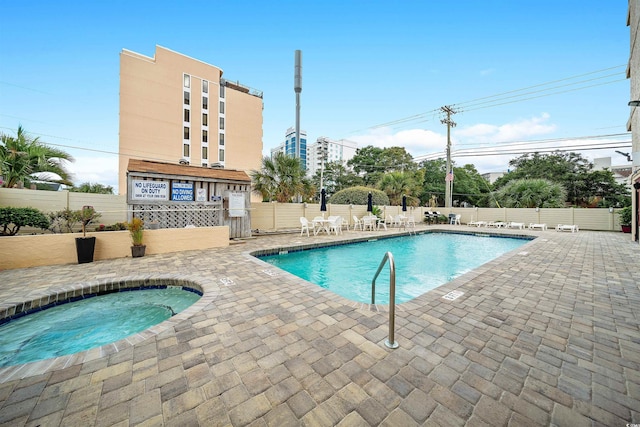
150, 190
201, 195
236, 204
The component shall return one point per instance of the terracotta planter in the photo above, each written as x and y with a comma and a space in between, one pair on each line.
85, 247
138, 251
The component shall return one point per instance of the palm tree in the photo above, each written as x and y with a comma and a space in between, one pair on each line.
395, 184
23, 159
531, 193
281, 178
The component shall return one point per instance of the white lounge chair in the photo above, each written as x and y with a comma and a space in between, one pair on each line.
306, 225
533, 226
567, 227
519, 225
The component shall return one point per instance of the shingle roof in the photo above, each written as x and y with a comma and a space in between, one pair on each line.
136, 165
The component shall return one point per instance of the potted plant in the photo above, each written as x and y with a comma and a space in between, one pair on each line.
85, 246
136, 230
625, 219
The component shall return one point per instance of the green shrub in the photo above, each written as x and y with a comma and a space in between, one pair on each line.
11, 219
625, 215
63, 221
358, 196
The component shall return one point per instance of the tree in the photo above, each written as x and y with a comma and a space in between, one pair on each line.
358, 196
468, 185
96, 188
12, 219
372, 162
531, 193
336, 177
571, 170
24, 159
281, 179
397, 184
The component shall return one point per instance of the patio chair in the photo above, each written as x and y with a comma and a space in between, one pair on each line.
399, 221
357, 223
335, 224
455, 219
411, 224
306, 225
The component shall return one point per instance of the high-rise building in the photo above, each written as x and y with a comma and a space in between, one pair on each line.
177, 109
288, 147
341, 151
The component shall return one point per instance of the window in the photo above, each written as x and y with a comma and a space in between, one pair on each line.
186, 115
221, 122
185, 150
221, 139
205, 153
187, 80
221, 90
205, 86
221, 155
205, 136
221, 107
205, 103
186, 97
186, 132
205, 119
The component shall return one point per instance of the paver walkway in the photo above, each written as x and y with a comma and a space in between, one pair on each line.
546, 335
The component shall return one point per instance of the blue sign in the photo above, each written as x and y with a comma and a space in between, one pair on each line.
181, 192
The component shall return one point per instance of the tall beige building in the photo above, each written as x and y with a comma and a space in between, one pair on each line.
177, 109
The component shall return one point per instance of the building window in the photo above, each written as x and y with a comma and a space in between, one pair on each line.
221, 139
187, 80
205, 153
186, 132
205, 86
221, 155
186, 97
221, 90
185, 150
186, 115
221, 123
205, 136
205, 119
221, 107
205, 103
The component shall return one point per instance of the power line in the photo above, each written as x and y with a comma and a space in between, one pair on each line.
497, 98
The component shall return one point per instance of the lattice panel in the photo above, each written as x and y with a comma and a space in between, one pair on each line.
179, 216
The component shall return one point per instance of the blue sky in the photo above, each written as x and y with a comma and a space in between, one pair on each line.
365, 64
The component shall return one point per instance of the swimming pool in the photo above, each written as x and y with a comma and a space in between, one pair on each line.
422, 262
87, 323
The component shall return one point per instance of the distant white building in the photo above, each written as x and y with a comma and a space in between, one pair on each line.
341, 151
492, 176
620, 172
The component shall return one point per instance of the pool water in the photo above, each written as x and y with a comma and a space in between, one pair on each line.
88, 323
422, 262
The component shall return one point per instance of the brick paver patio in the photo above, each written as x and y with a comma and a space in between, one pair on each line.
546, 335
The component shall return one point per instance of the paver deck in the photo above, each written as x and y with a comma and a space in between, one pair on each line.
546, 335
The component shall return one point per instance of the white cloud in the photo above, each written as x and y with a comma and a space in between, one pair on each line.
522, 129
100, 170
415, 141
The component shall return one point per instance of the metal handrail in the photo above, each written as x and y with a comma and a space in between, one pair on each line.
391, 343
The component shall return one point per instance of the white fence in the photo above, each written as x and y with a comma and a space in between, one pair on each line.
279, 216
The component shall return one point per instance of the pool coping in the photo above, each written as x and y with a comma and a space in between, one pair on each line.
209, 289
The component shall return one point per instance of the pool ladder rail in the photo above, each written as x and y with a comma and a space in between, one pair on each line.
391, 343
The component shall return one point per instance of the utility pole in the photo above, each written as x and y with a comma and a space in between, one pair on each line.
448, 110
